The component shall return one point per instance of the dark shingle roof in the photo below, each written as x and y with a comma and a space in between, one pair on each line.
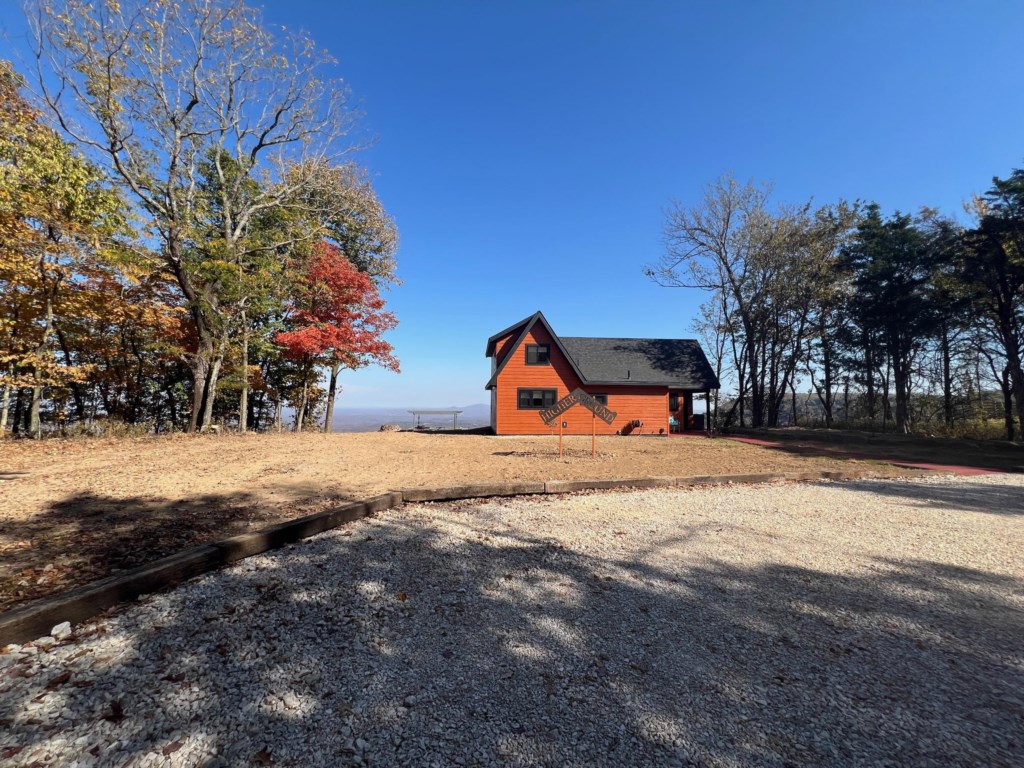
662, 362
665, 362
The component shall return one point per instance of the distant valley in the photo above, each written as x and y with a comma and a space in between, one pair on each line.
371, 419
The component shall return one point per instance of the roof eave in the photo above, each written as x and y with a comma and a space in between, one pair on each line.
493, 340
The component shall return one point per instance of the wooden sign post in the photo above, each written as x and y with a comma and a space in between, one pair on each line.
578, 397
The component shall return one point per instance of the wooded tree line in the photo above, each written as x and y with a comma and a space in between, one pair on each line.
893, 322
184, 239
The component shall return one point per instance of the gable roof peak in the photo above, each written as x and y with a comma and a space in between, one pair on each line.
527, 322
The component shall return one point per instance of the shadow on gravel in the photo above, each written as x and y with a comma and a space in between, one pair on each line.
516, 650
988, 498
87, 537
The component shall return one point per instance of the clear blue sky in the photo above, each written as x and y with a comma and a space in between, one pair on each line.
528, 149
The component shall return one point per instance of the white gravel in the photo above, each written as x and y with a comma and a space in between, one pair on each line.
870, 623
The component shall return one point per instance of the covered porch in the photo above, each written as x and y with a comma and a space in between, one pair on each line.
681, 418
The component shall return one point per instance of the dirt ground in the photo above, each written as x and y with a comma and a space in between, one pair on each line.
72, 511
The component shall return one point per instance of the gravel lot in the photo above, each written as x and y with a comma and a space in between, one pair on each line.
869, 623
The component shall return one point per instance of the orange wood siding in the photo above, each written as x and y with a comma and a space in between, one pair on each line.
646, 404
502, 347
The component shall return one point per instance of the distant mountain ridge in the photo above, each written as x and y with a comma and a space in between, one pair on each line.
371, 419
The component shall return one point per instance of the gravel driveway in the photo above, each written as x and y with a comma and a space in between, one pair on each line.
868, 623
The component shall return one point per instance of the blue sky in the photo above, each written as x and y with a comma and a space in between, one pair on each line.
528, 150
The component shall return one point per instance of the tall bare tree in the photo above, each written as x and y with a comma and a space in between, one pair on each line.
733, 245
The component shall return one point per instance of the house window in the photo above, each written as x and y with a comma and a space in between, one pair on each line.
537, 398
602, 399
537, 354
673, 402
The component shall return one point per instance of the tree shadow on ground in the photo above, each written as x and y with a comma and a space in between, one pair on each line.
517, 650
993, 499
994, 455
88, 536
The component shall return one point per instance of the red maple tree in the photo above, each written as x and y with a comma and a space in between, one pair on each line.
338, 320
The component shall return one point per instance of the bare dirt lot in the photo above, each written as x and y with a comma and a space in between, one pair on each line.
72, 511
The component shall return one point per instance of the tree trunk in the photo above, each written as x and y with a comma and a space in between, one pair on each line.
947, 376
886, 401
18, 424
199, 368
34, 425
211, 388
869, 379
1007, 388
300, 414
902, 416
255, 415
201, 364
5, 399
331, 392
828, 402
756, 399
243, 397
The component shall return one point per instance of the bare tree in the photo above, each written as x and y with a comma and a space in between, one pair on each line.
155, 89
732, 245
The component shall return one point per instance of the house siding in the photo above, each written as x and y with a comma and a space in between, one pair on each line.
646, 404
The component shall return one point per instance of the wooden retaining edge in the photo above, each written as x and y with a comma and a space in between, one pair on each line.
36, 619
459, 492
478, 491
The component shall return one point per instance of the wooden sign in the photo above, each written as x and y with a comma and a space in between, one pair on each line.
591, 404
550, 414
578, 397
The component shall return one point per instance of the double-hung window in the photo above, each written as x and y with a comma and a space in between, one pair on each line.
537, 398
538, 354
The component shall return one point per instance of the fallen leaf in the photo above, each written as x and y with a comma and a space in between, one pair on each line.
263, 757
58, 681
176, 678
402, 596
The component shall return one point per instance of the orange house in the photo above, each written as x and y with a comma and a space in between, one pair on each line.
648, 383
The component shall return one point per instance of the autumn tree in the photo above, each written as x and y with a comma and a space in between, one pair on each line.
58, 222
337, 320
157, 89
